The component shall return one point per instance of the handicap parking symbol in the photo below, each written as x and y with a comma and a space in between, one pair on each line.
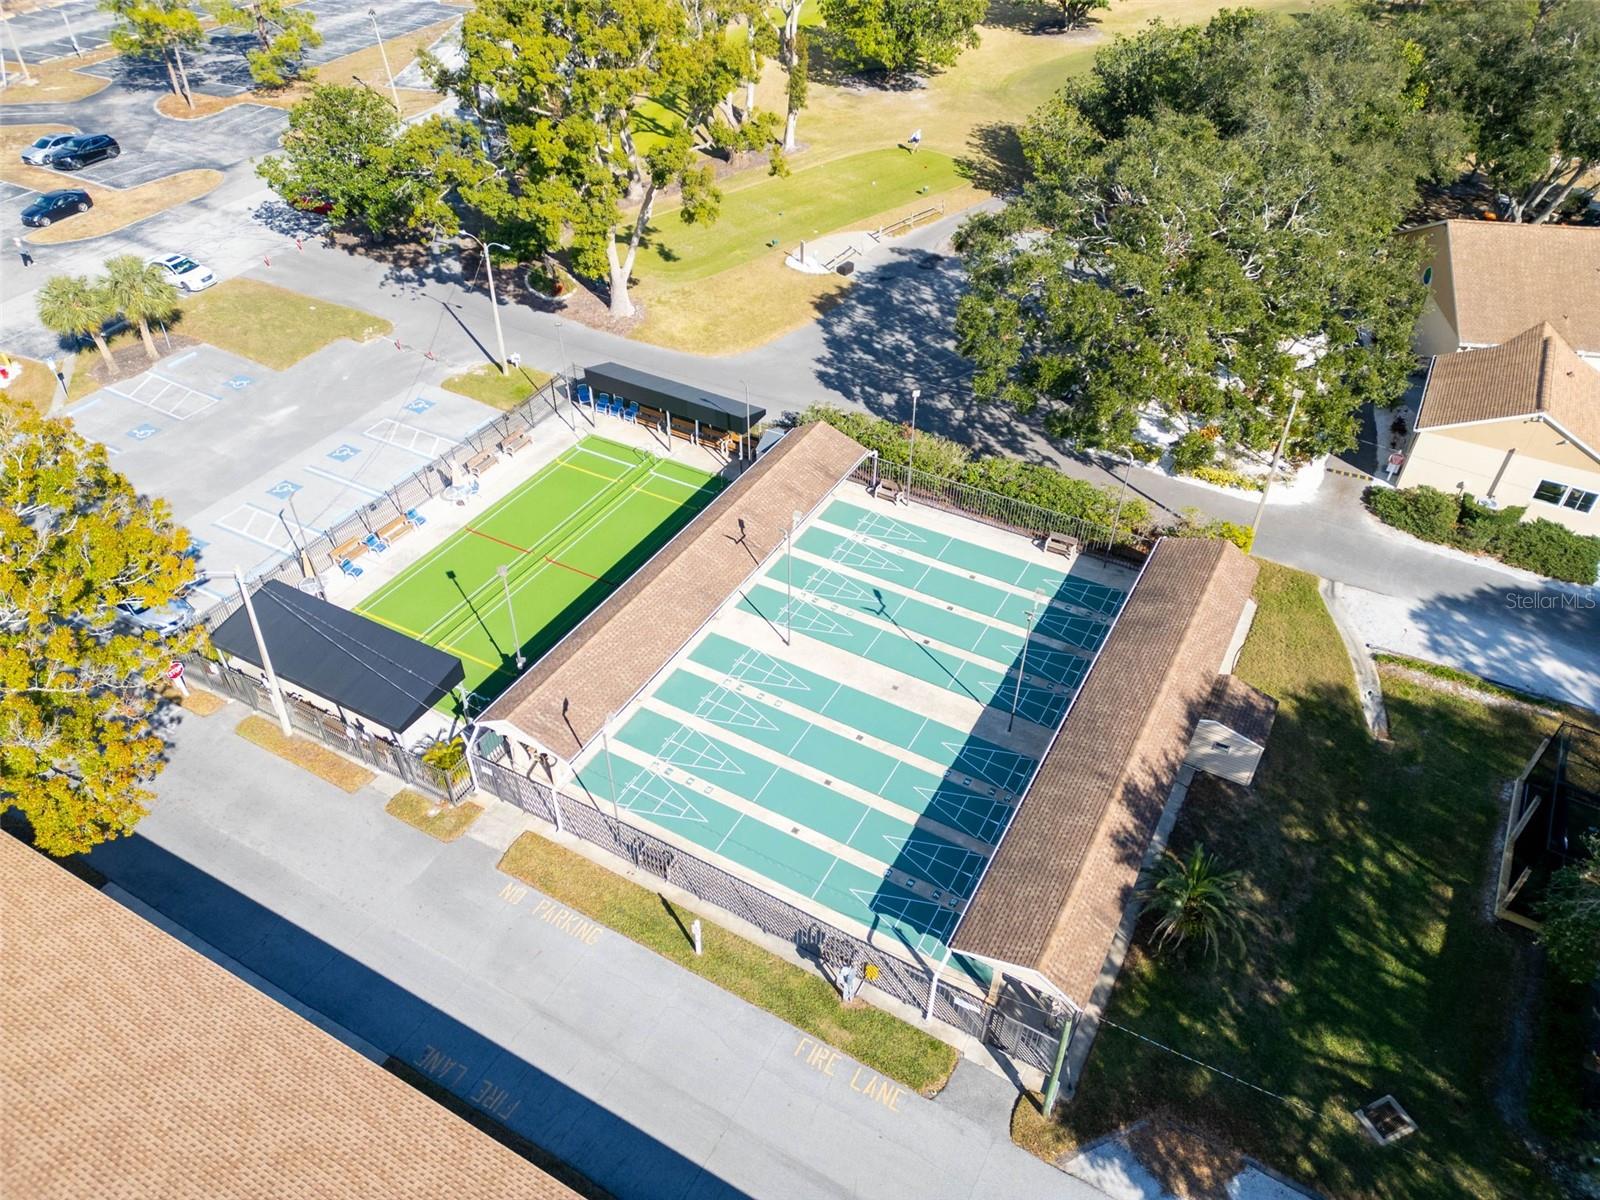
140, 433
420, 405
238, 382
344, 452
283, 489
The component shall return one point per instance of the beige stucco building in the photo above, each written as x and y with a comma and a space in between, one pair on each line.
1513, 424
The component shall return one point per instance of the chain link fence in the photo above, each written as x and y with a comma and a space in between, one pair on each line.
1006, 512
417, 488
1026, 1033
447, 785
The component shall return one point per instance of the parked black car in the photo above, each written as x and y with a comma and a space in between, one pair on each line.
85, 149
52, 206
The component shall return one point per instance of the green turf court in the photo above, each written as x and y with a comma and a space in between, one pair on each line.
568, 537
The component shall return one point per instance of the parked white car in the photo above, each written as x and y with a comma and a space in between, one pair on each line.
184, 272
40, 152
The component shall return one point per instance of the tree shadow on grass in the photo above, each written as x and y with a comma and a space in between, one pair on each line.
995, 161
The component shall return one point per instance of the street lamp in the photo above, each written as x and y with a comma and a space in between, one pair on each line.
1277, 455
516, 639
55, 369
911, 453
788, 571
394, 92
494, 303
1022, 667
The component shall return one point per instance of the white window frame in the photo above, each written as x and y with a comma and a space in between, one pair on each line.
1568, 493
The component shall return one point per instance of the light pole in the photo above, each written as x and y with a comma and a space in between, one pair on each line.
72, 37
266, 659
1022, 667
911, 453
394, 92
505, 581
611, 774
1122, 494
744, 442
1277, 454
55, 369
21, 62
494, 303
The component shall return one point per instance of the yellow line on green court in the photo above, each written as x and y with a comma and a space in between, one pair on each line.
395, 625
482, 662
635, 487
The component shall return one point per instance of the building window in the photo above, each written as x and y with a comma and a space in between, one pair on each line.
1567, 497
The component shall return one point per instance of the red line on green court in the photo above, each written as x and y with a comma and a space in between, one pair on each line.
556, 562
502, 541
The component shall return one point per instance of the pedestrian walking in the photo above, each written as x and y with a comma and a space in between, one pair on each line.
22, 252
914, 140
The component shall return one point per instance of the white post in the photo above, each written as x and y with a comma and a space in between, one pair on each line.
470, 737
394, 92
933, 984
788, 571
911, 452
76, 49
266, 659
1255, 523
694, 928
516, 641
611, 775
21, 62
494, 304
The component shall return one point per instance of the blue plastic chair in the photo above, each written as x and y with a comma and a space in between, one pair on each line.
631, 413
349, 568
582, 395
602, 402
415, 517
374, 543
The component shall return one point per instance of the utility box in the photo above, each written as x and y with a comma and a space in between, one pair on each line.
1231, 737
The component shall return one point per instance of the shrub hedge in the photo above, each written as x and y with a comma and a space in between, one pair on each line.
1033, 483
1541, 546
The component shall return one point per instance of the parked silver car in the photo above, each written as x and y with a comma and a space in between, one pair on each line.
41, 151
170, 619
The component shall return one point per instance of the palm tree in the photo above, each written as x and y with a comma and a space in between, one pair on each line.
76, 306
142, 293
1194, 899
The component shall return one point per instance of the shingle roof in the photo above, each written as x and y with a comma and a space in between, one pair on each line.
341, 656
1535, 372
1247, 711
1055, 891
598, 667
133, 1068
1505, 277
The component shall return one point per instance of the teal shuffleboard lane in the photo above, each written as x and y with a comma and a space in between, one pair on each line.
802, 801
782, 731
1001, 645
959, 554
1005, 771
948, 587
807, 870
1041, 704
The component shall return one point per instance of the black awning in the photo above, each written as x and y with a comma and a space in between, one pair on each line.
679, 399
343, 657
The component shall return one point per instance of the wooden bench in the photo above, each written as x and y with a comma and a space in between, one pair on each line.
398, 527
479, 463
885, 490
514, 442
350, 550
1061, 543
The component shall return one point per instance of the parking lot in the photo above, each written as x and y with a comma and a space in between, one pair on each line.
60, 31
152, 149
249, 457
221, 68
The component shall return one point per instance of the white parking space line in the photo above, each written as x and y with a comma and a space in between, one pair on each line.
167, 396
409, 437
343, 481
256, 525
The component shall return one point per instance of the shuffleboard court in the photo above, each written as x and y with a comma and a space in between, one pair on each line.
567, 538
854, 747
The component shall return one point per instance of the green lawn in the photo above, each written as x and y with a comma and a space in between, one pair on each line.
884, 1043
1372, 968
821, 199
440, 821
502, 390
272, 325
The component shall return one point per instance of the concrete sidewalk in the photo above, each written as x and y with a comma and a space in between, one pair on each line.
649, 1080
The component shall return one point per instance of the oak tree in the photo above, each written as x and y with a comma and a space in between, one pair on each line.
79, 699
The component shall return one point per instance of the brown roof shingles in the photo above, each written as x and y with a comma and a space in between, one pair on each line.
1055, 891
133, 1068
1247, 711
1506, 277
1534, 373
603, 663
